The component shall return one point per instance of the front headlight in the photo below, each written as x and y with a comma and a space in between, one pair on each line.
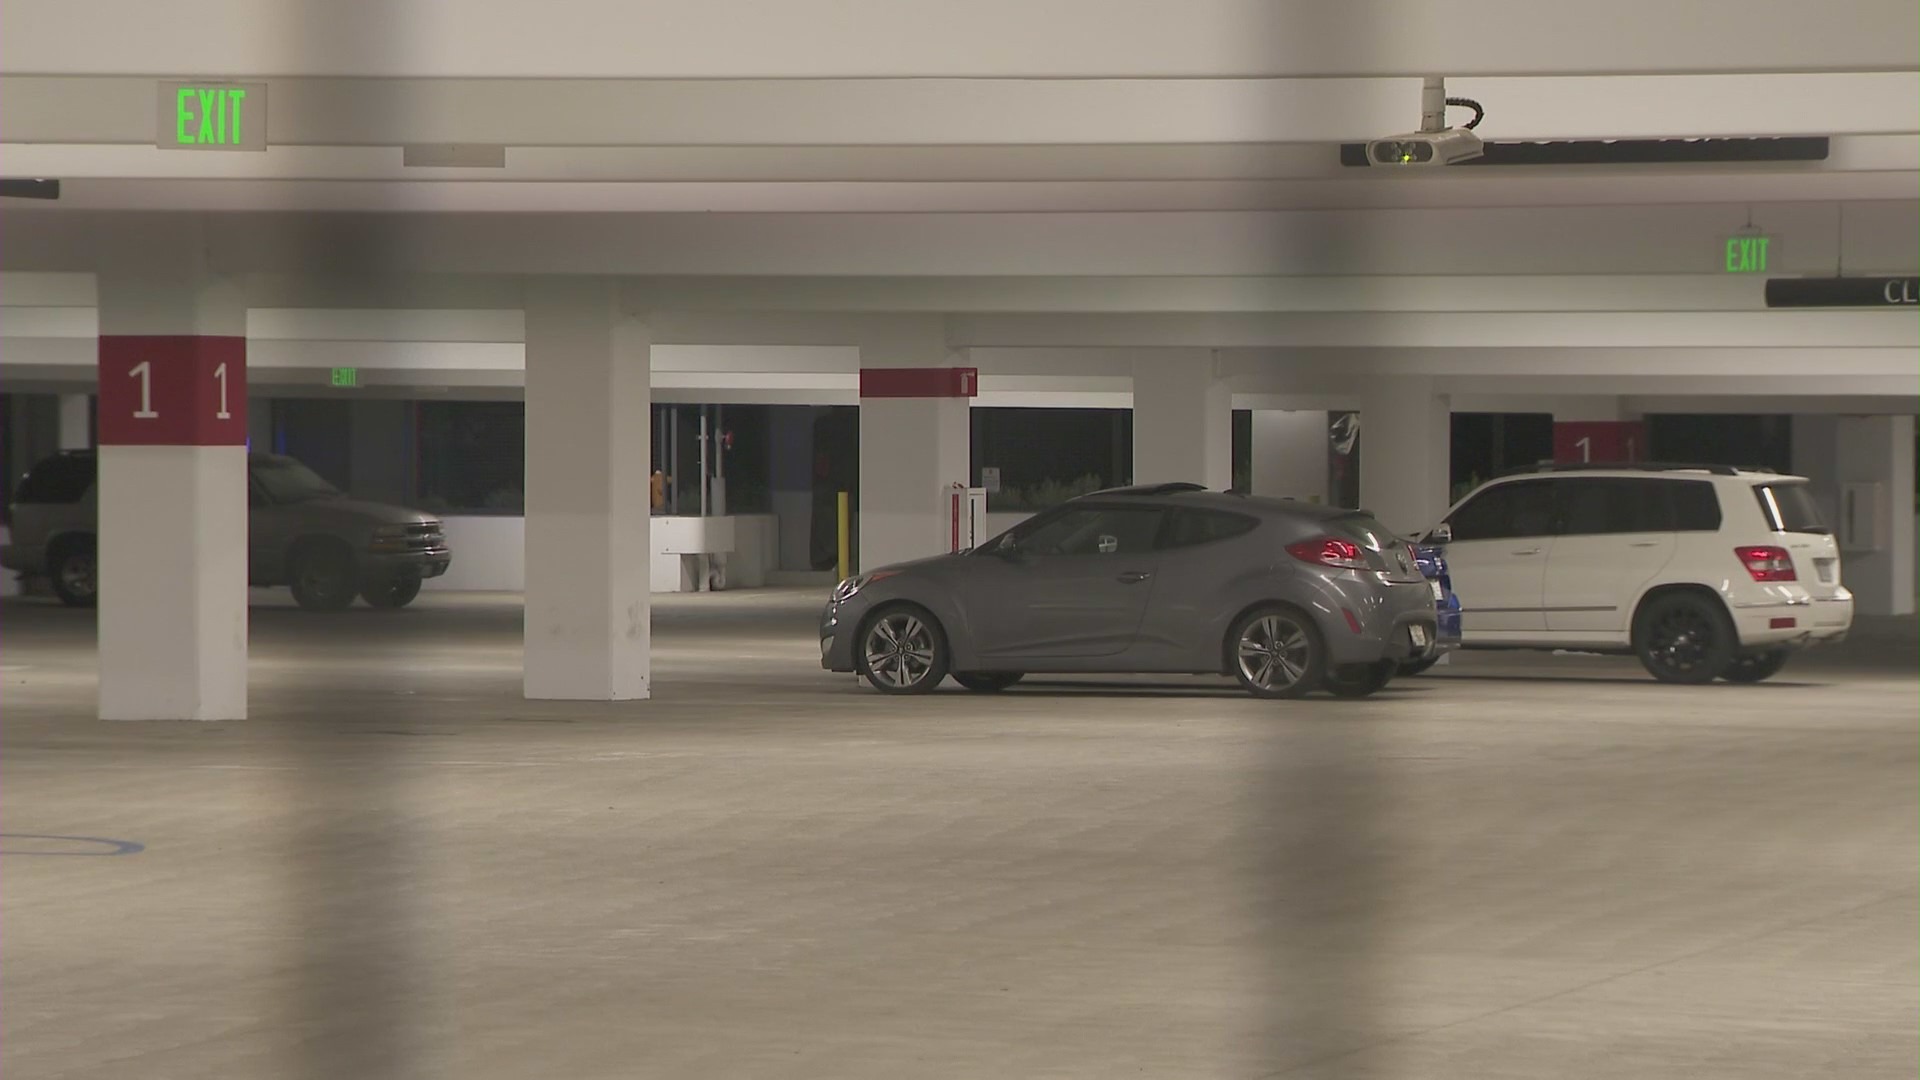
845, 590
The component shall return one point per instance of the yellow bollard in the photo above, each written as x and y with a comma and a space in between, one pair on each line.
846, 563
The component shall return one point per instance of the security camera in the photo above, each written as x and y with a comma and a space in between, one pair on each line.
1448, 146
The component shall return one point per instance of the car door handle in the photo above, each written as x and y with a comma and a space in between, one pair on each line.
1644, 543
1528, 551
1133, 577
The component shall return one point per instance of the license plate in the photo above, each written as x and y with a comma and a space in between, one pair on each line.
1419, 635
1436, 589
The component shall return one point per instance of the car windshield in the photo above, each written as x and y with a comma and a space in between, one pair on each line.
287, 481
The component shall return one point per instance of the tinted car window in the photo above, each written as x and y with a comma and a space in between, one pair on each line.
1367, 530
62, 479
1596, 505
1520, 508
1094, 530
1187, 528
1695, 507
1789, 508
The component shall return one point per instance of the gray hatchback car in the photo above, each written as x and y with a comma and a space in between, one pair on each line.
1286, 597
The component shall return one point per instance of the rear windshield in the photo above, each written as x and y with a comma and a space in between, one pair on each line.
1789, 508
63, 479
1366, 530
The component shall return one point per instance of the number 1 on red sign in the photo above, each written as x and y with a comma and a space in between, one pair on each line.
221, 374
144, 372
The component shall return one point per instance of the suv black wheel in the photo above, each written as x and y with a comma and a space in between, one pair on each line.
1360, 680
901, 650
395, 592
1755, 666
1684, 638
1275, 652
987, 682
75, 572
322, 577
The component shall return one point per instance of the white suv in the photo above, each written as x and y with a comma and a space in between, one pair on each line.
1704, 572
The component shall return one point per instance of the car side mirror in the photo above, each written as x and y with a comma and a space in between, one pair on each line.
1442, 533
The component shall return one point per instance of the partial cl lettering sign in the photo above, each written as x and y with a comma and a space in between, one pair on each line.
1900, 291
212, 116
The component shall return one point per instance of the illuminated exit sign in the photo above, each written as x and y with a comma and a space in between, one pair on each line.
1749, 253
212, 116
346, 376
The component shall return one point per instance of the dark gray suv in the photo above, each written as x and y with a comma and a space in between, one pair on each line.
1286, 597
301, 532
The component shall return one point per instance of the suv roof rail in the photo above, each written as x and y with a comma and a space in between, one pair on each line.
1629, 466
1153, 489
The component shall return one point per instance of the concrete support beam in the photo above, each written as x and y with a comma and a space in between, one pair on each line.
1182, 419
1879, 450
76, 421
915, 439
588, 556
1290, 454
1405, 452
172, 487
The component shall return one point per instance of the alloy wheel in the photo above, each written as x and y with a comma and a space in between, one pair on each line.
900, 650
1682, 639
1274, 652
76, 574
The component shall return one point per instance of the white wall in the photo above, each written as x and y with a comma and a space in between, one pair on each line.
1290, 454
489, 554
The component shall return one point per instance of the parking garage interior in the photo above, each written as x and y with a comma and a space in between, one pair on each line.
678, 318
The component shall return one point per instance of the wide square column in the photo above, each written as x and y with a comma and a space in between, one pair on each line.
1182, 419
916, 442
172, 549
1290, 449
588, 555
1874, 456
1406, 452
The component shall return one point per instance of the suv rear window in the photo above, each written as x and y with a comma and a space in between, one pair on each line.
1789, 508
61, 479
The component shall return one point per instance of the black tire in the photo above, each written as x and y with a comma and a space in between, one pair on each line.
321, 576
1359, 680
901, 649
1419, 667
1684, 638
74, 571
1276, 652
390, 593
987, 682
1755, 667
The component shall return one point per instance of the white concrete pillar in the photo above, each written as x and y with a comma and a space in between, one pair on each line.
1182, 419
1815, 446
1878, 450
172, 489
916, 438
1290, 454
76, 421
588, 552
1406, 449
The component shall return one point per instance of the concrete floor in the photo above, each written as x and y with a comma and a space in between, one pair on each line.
1522, 866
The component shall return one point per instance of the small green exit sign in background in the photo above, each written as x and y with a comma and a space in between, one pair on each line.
212, 116
346, 376
1749, 253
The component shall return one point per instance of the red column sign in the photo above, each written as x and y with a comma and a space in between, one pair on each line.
1585, 441
919, 382
175, 390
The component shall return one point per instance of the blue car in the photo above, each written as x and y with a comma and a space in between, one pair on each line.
1433, 564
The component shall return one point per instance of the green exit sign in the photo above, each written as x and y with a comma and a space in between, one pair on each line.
212, 116
346, 376
1748, 253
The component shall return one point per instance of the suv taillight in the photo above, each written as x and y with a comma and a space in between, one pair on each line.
1767, 563
1329, 551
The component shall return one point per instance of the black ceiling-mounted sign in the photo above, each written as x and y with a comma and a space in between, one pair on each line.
1865, 292
1632, 151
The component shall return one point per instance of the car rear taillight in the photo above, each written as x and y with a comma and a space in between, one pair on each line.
1329, 551
1767, 563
